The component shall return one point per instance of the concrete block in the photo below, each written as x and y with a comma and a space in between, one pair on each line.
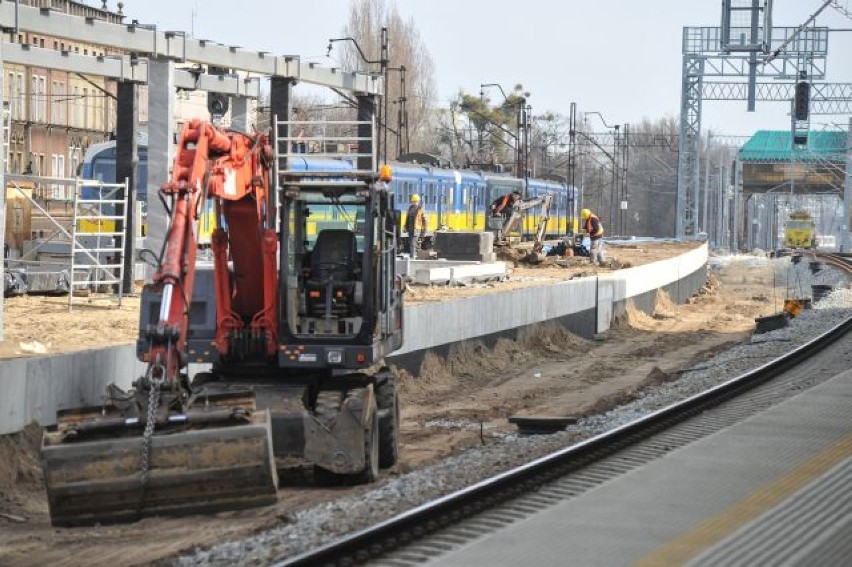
487, 257
403, 265
13, 385
606, 291
41, 390
478, 272
463, 242
428, 276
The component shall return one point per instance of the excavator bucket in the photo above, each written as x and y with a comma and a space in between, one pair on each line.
97, 469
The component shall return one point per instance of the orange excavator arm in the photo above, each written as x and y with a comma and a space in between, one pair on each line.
233, 169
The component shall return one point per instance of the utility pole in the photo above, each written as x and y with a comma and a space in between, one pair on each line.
572, 167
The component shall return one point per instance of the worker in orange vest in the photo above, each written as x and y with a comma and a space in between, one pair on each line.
503, 205
594, 227
415, 225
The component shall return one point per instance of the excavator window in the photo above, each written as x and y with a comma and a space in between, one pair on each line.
328, 239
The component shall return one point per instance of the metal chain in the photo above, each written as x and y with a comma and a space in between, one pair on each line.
153, 403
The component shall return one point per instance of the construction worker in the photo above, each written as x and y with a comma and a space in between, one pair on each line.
503, 205
594, 227
415, 225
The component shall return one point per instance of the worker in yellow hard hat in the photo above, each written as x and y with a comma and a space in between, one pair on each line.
415, 225
594, 227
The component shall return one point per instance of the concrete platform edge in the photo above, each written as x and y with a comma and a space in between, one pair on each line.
34, 388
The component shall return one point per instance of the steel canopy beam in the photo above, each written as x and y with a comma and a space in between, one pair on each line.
826, 98
148, 42
124, 68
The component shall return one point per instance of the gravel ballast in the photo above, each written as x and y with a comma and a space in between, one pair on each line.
313, 527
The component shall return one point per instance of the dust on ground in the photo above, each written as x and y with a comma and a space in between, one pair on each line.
453, 404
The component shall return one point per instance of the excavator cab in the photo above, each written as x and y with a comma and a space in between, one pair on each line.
332, 274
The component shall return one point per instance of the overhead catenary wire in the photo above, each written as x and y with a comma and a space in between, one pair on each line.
799, 30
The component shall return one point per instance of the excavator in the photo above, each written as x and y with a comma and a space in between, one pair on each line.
269, 359
503, 225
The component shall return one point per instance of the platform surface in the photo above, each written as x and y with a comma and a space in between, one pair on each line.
775, 489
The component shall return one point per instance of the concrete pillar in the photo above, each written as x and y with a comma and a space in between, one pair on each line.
846, 229
2, 196
126, 161
240, 119
736, 206
279, 108
161, 101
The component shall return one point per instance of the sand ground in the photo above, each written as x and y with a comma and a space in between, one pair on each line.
452, 404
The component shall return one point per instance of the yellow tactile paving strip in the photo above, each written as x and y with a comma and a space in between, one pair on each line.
714, 529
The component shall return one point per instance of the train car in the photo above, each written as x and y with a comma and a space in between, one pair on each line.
453, 199
563, 215
322, 216
99, 164
800, 230
437, 188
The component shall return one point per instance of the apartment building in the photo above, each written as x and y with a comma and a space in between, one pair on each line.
56, 115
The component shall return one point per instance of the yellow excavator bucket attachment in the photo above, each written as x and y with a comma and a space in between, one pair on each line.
199, 470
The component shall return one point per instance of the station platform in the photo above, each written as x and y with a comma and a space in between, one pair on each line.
774, 489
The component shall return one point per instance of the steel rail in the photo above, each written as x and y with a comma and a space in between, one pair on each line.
400, 530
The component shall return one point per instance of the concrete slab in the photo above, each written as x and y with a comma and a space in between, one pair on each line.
439, 272
13, 385
429, 276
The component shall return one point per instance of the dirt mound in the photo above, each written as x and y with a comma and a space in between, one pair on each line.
21, 482
664, 307
472, 364
633, 318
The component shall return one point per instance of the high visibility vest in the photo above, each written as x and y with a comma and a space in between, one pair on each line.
415, 219
589, 227
502, 204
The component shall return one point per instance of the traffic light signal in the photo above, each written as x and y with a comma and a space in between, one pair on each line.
801, 103
217, 104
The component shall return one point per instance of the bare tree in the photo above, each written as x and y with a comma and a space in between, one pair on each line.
549, 145
410, 66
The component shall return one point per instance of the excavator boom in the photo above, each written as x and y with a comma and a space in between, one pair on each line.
165, 447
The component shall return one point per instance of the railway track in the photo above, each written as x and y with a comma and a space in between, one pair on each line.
427, 531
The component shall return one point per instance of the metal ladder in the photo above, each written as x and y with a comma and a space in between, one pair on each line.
96, 219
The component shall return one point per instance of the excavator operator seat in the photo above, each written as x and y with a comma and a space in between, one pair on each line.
334, 267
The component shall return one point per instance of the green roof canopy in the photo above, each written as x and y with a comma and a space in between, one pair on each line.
775, 146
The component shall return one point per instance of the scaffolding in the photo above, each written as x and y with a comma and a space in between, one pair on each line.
80, 251
100, 213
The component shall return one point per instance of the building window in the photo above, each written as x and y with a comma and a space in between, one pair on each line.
59, 103
77, 110
57, 164
96, 110
85, 103
38, 98
74, 158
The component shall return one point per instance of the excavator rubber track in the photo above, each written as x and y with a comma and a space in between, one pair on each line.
192, 469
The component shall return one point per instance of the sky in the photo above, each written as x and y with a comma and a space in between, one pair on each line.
621, 58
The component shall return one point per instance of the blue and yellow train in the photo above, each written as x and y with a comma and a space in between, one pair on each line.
453, 199
456, 199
